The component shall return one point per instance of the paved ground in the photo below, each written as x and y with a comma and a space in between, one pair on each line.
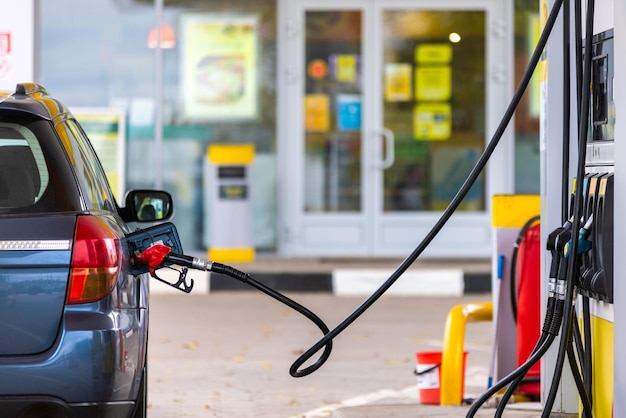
227, 354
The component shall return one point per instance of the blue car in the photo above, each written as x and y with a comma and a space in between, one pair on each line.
73, 313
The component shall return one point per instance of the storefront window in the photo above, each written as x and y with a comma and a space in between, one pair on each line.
434, 102
218, 87
332, 111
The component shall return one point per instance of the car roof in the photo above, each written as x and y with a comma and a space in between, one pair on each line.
35, 99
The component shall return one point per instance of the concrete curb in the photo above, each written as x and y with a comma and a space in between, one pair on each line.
345, 282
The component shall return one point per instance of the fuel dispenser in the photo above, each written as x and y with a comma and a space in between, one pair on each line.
578, 266
582, 241
594, 303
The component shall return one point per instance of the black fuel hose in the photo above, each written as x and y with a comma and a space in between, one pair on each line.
587, 372
552, 323
454, 203
583, 118
579, 380
205, 265
513, 268
246, 278
512, 387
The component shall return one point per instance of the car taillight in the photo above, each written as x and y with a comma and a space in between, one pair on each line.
95, 261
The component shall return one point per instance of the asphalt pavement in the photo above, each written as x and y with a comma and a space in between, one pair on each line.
228, 353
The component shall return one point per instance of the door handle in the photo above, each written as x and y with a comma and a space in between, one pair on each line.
389, 150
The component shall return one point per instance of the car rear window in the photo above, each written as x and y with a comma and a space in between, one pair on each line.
23, 172
35, 175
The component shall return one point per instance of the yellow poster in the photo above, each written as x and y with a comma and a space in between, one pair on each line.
433, 83
432, 121
398, 86
316, 113
219, 67
433, 53
345, 67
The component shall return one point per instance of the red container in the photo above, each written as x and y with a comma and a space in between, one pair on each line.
528, 309
428, 371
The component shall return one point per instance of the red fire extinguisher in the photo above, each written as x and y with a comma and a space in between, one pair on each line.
525, 300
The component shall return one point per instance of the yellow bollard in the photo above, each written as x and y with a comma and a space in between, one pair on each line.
453, 343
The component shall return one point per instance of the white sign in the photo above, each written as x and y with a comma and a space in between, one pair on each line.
17, 43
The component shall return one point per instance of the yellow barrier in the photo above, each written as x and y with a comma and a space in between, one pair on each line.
453, 342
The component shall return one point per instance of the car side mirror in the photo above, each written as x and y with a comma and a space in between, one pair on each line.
148, 206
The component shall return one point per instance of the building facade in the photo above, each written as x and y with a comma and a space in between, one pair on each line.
366, 116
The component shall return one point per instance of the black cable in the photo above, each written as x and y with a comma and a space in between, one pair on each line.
510, 390
513, 267
511, 377
587, 359
584, 392
512, 387
192, 262
550, 331
583, 119
455, 202
246, 278
578, 342
556, 243
581, 382
586, 366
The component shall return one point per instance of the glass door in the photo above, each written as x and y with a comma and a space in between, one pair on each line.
388, 107
333, 92
434, 96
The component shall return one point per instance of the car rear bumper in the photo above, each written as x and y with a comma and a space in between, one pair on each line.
97, 359
35, 407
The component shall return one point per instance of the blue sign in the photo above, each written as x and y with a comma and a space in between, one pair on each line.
348, 112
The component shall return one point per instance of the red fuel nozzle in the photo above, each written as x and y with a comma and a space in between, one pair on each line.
153, 256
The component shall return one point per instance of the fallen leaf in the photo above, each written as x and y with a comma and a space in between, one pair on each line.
191, 346
265, 364
238, 359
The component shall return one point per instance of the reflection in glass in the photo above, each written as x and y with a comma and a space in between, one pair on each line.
332, 112
434, 102
151, 205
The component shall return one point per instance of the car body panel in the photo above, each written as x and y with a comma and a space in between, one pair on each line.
61, 356
33, 281
94, 359
87, 352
